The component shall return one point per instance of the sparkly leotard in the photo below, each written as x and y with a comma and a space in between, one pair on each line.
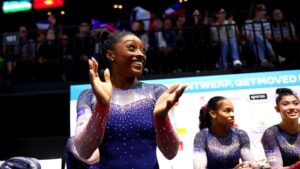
221, 152
73, 163
289, 145
130, 137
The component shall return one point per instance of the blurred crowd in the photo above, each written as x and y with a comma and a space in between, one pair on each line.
191, 42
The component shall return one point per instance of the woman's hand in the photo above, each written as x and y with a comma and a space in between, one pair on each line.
102, 90
243, 165
166, 101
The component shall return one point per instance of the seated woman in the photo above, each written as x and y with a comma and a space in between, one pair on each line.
281, 142
218, 144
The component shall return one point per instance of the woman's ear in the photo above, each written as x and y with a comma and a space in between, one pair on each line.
110, 55
213, 114
277, 108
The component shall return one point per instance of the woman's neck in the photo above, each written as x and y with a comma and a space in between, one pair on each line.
291, 127
123, 82
220, 131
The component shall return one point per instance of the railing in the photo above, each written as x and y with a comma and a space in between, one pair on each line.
190, 49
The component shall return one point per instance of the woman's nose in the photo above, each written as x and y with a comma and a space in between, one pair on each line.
231, 113
141, 53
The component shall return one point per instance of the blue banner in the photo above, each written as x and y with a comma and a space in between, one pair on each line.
222, 82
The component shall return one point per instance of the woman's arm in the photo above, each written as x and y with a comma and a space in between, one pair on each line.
92, 160
246, 154
248, 160
199, 152
91, 129
271, 148
274, 157
199, 160
166, 137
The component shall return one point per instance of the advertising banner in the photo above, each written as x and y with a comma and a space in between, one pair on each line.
253, 96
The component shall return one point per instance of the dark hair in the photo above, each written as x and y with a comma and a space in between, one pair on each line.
204, 116
284, 92
254, 8
108, 39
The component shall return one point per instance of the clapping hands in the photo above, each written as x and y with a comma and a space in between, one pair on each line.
166, 101
101, 89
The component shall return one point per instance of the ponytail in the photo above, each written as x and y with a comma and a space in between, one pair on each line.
204, 116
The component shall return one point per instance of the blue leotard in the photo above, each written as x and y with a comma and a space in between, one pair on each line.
289, 145
130, 137
221, 152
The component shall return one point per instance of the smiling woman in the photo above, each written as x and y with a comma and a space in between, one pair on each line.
122, 118
281, 142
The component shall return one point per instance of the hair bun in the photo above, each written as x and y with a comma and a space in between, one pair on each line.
284, 91
103, 35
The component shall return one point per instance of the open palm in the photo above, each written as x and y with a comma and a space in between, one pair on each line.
101, 89
166, 101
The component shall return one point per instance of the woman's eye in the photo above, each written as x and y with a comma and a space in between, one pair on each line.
143, 50
228, 110
131, 47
